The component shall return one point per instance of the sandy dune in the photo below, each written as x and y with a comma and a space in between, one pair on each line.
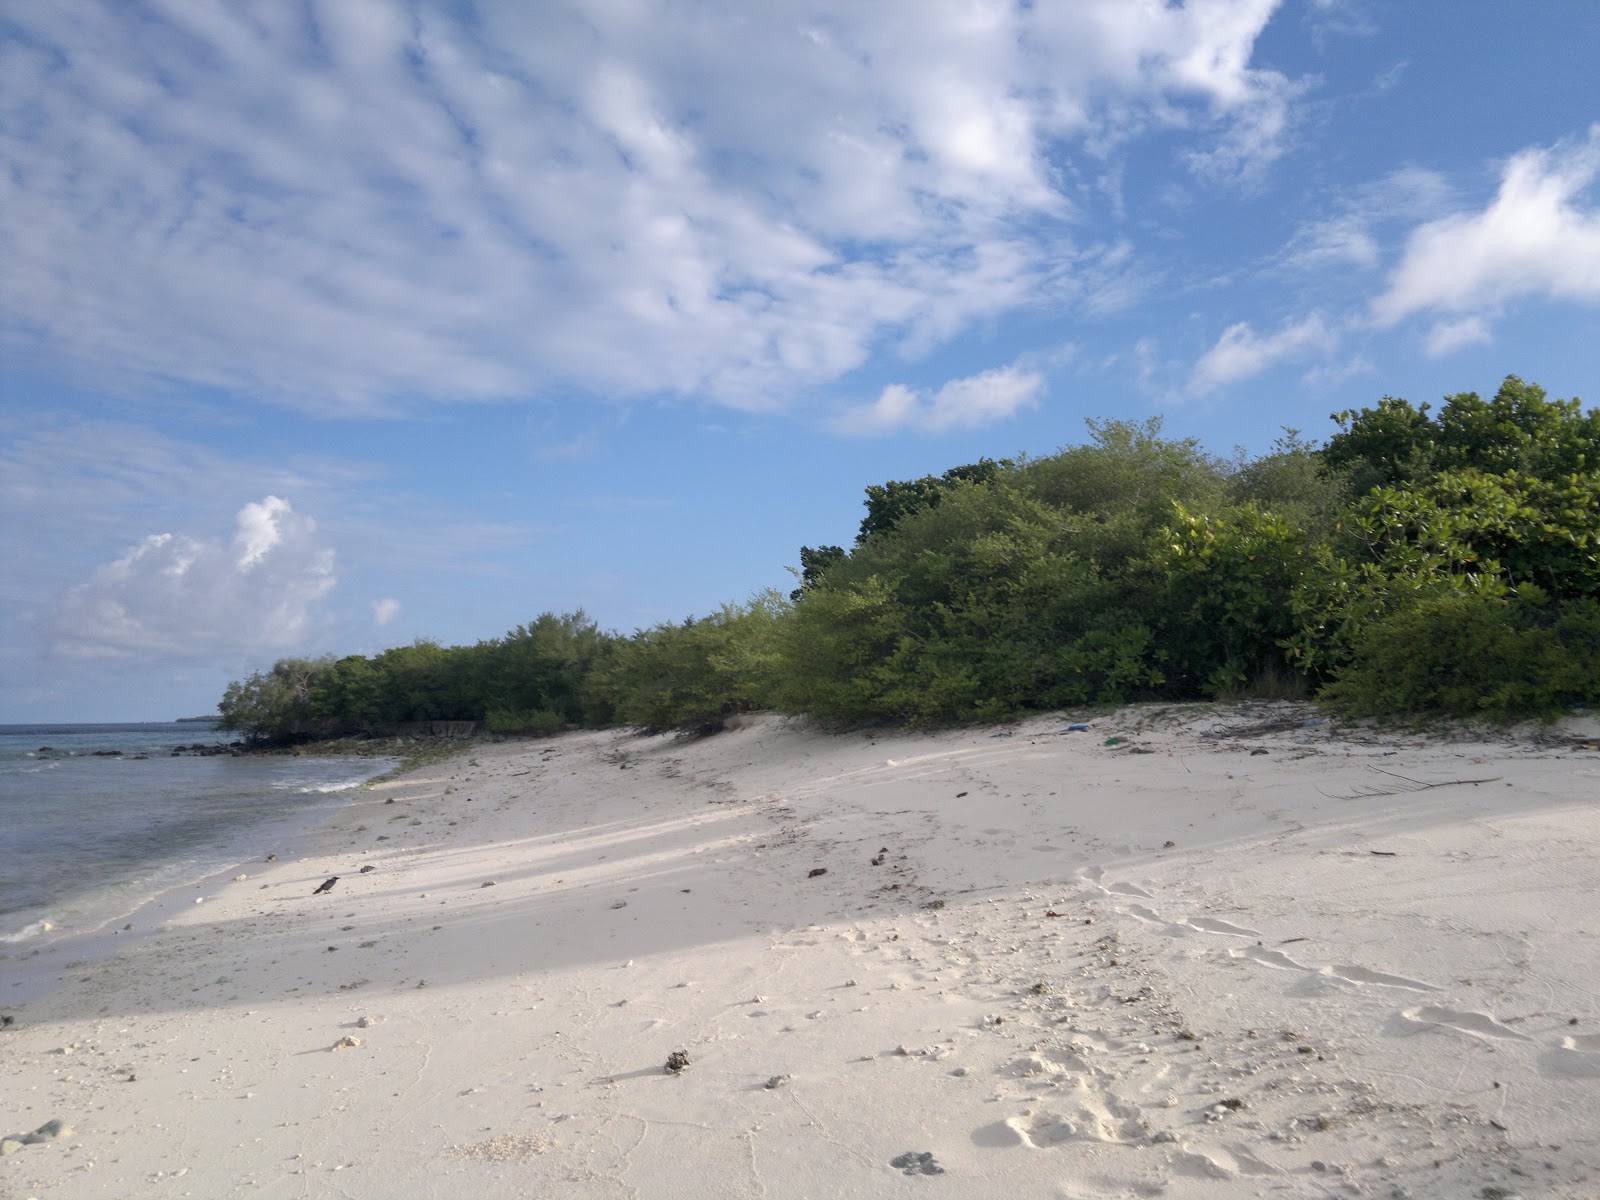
1239, 952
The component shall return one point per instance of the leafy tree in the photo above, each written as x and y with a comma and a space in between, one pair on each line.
1518, 430
540, 669
1230, 581
1293, 481
890, 503
1384, 446
275, 705
813, 564
1443, 562
691, 676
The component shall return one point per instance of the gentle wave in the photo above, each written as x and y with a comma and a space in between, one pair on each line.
33, 930
343, 786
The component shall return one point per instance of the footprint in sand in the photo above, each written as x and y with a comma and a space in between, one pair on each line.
1213, 1162
1475, 1024
1576, 1057
1044, 1130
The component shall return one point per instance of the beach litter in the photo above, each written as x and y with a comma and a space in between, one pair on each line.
915, 1163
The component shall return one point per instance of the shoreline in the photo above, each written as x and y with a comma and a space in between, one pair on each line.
33, 966
1051, 963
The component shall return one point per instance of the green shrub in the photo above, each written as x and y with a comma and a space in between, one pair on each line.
691, 677
1462, 655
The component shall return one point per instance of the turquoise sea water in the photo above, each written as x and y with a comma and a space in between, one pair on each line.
86, 838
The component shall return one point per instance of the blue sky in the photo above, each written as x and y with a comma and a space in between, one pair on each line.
331, 325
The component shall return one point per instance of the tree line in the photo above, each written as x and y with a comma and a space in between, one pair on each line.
1419, 562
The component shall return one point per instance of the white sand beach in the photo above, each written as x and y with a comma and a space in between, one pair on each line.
1243, 951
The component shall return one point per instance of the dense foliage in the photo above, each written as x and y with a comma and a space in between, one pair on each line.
1417, 563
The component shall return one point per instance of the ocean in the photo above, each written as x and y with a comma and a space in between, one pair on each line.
87, 835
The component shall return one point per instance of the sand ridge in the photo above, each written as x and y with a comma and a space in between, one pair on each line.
1234, 952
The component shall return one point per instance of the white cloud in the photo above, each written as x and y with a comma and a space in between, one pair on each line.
960, 404
1330, 375
1240, 352
1339, 241
1446, 337
385, 611
357, 207
1537, 237
1352, 234
174, 596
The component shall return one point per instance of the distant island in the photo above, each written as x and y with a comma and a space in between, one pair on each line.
211, 720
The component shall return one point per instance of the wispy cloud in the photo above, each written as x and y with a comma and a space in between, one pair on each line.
1362, 222
351, 208
1446, 337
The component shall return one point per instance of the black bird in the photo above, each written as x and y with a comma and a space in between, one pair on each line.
327, 886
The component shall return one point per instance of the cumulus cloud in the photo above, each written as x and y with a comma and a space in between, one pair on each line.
385, 611
1241, 352
346, 207
1540, 236
959, 404
175, 596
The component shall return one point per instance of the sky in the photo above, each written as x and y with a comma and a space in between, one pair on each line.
329, 325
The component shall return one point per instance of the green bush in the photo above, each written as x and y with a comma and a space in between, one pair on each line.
691, 677
1462, 655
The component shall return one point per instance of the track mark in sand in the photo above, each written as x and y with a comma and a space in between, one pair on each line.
1212, 925
1129, 889
1145, 914
1269, 958
1473, 1023
1361, 975
1350, 974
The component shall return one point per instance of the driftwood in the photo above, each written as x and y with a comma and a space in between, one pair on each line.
1404, 783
